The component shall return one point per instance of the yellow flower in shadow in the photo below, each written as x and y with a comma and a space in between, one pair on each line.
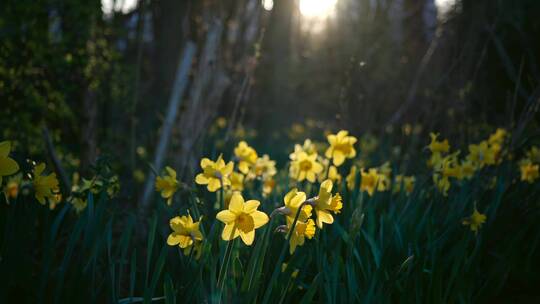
8, 166
167, 184
45, 186
186, 233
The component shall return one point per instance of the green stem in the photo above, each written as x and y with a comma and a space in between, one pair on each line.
225, 266
281, 256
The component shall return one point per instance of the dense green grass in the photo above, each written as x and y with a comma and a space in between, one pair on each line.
387, 248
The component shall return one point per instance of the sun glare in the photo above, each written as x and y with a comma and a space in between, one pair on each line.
317, 8
268, 4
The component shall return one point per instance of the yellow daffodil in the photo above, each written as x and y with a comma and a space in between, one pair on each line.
442, 183
466, 170
475, 221
302, 230
448, 166
482, 154
186, 233
8, 166
438, 146
305, 167
293, 200
237, 181
529, 172
369, 180
498, 137
533, 155
79, 204
351, 178
308, 147
324, 203
45, 186
11, 190
336, 203
247, 156
341, 147
221, 122
384, 179
167, 184
215, 174
241, 219
57, 199
404, 183
268, 186
264, 168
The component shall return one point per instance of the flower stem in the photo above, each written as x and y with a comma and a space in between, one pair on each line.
277, 268
224, 267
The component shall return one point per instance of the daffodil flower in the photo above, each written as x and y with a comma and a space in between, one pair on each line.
241, 219
247, 156
436, 146
323, 204
305, 167
167, 184
186, 233
369, 180
294, 201
529, 172
45, 186
475, 221
341, 147
215, 174
302, 230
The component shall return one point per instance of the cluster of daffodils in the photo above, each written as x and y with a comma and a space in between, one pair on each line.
379, 179
447, 165
81, 187
325, 165
45, 187
298, 212
242, 217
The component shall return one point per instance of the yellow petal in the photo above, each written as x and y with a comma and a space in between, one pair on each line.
324, 216
328, 152
327, 185
298, 199
201, 179
185, 241
339, 158
205, 162
331, 139
8, 166
173, 239
5, 147
251, 206
230, 232
237, 203
213, 184
310, 176
175, 223
259, 218
226, 216
248, 237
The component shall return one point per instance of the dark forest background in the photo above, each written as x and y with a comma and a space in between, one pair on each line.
101, 82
